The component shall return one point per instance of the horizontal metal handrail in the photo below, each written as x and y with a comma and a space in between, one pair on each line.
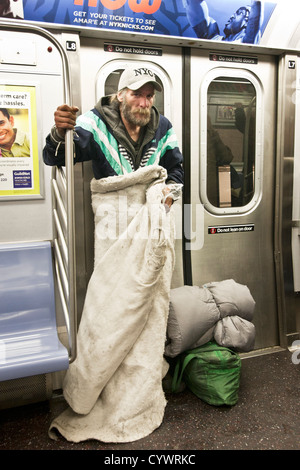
60, 204
61, 236
62, 270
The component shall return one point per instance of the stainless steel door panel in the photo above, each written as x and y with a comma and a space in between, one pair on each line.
234, 251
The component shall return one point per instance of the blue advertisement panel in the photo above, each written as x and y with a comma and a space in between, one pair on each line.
234, 20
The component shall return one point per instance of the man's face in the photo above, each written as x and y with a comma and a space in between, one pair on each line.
7, 134
136, 105
236, 22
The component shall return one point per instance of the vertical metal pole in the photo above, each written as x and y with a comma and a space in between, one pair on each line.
186, 150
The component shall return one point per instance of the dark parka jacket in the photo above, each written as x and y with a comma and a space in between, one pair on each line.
100, 136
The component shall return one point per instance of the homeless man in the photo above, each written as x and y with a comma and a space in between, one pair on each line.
114, 387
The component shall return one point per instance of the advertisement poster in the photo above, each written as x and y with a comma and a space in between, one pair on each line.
217, 20
19, 161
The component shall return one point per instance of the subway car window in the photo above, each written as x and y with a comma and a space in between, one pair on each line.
111, 86
230, 152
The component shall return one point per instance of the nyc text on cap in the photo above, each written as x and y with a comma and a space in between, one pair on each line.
134, 78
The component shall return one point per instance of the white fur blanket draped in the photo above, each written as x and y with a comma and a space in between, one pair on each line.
114, 387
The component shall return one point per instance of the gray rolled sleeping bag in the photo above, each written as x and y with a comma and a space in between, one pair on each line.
219, 310
236, 306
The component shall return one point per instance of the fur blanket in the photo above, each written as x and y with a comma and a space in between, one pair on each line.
114, 387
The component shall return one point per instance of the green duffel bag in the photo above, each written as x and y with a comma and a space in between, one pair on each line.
211, 372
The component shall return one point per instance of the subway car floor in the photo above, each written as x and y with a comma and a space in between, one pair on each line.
266, 417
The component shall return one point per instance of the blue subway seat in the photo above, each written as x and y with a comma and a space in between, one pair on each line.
29, 344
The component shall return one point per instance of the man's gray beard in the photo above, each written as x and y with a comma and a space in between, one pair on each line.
131, 117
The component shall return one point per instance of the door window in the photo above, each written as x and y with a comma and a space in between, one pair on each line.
230, 162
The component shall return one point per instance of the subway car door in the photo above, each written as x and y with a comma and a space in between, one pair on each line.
101, 66
233, 109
